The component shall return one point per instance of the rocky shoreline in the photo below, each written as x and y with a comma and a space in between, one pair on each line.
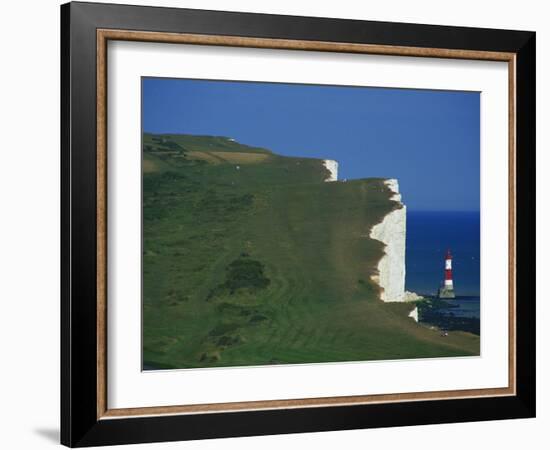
433, 311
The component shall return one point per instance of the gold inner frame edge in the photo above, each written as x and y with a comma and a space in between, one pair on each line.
103, 36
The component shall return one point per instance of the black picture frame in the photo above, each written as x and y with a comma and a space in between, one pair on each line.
80, 425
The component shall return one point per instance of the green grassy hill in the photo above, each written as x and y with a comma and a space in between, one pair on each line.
251, 258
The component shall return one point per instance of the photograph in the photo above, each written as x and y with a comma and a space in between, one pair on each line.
306, 224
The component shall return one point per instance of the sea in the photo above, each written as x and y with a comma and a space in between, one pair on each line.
429, 235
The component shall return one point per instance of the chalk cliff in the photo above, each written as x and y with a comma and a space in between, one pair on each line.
392, 232
414, 314
332, 167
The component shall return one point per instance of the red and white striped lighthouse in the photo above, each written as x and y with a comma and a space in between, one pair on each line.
447, 289
449, 270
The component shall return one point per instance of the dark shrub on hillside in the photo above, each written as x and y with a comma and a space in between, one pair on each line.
245, 273
171, 145
258, 318
157, 181
223, 328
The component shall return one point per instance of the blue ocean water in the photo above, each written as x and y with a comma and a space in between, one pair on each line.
429, 235
465, 307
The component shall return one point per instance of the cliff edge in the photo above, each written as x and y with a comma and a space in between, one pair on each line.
332, 167
392, 232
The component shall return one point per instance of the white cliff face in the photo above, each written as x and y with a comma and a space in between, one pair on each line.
393, 184
391, 267
392, 232
332, 167
414, 314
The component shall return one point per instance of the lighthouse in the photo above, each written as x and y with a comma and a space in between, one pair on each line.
447, 290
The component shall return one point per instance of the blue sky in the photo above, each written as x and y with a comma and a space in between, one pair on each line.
428, 140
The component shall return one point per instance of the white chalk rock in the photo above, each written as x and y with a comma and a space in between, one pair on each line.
412, 296
391, 267
414, 314
392, 232
393, 185
332, 167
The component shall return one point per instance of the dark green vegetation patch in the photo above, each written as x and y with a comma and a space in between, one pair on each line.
245, 273
250, 258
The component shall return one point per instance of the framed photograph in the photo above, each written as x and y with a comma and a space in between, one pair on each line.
276, 224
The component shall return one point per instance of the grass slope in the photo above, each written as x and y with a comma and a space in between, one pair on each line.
250, 258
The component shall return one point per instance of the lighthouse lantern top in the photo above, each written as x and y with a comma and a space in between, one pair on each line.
449, 256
